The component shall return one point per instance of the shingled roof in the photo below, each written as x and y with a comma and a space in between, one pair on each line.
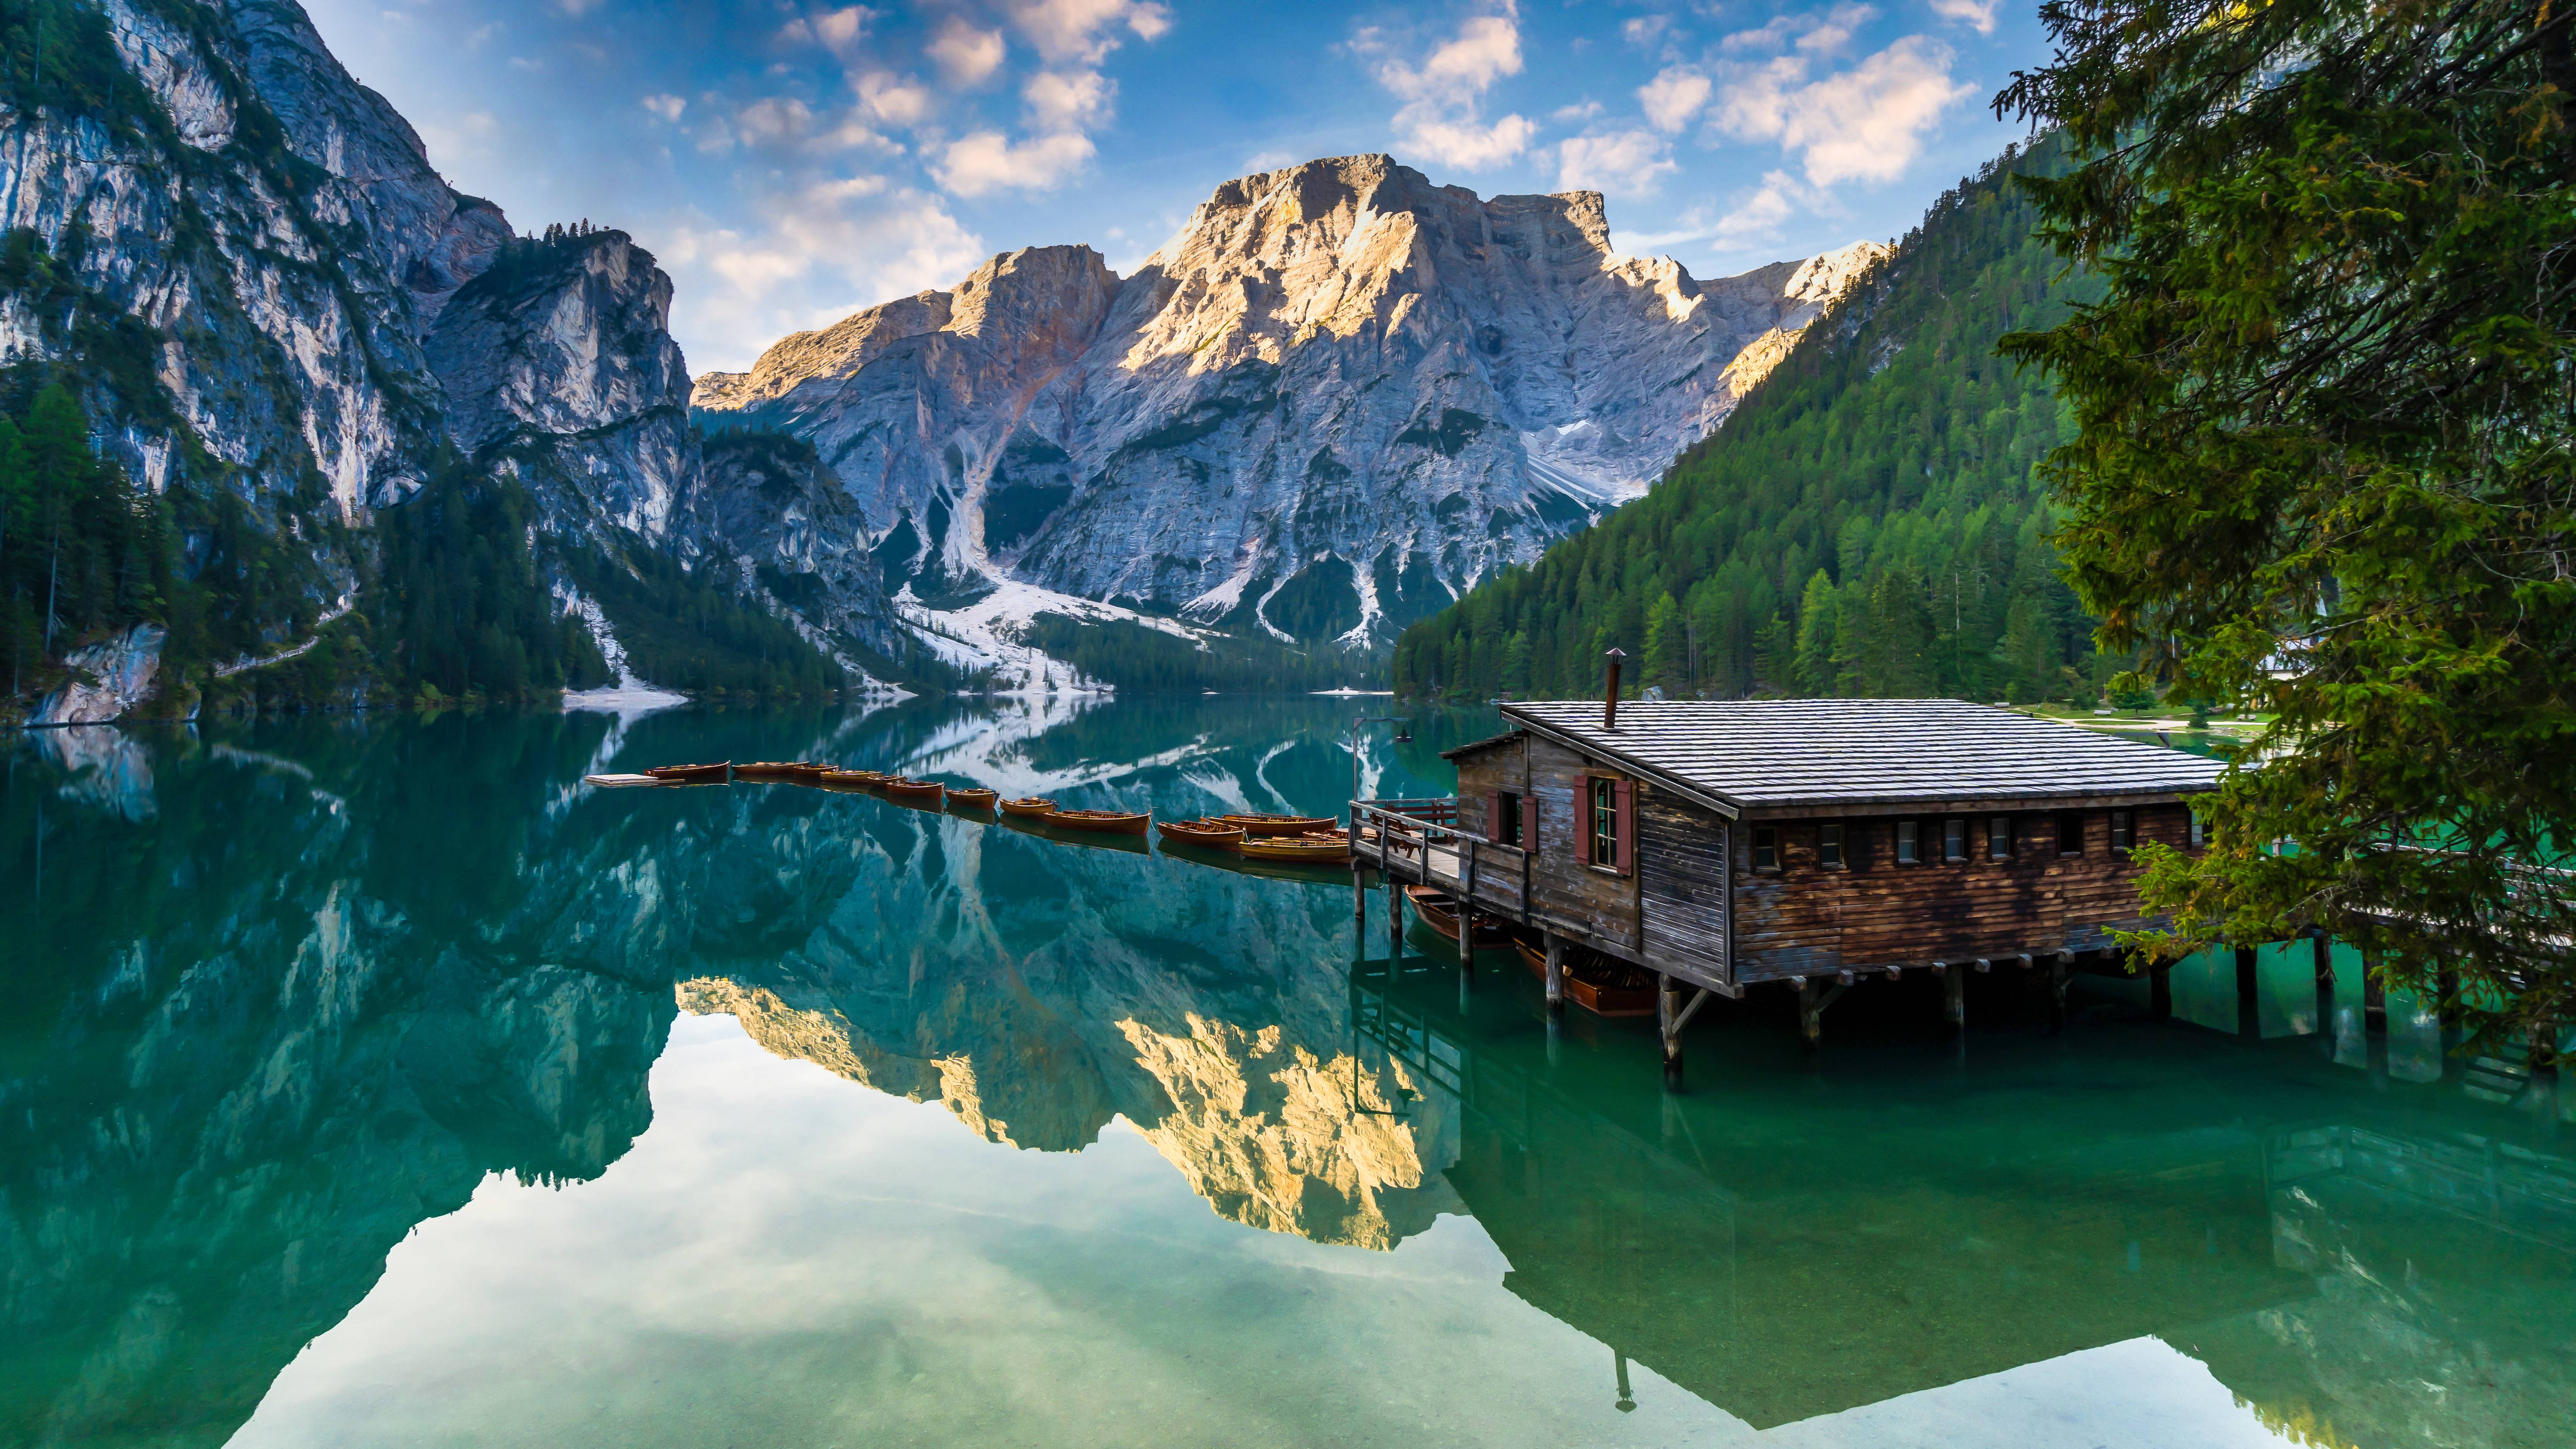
1770, 755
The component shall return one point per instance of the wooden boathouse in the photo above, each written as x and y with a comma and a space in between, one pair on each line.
1813, 843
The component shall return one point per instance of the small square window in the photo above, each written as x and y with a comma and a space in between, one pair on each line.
1909, 842
1999, 839
2199, 831
2070, 832
1829, 845
1954, 840
2123, 829
1766, 848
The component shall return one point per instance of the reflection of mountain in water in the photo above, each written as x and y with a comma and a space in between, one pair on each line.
291, 994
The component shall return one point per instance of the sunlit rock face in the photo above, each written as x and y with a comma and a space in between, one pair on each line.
1339, 395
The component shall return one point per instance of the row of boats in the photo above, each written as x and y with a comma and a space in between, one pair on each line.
1291, 839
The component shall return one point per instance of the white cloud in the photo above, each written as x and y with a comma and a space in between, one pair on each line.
1646, 29
988, 161
1441, 119
1083, 31
817, 252
1632, 162
840, 29
893, 99
1814, 32
1253, 164
667, 107
1977, 13
1866, 123
1576, 114
1068, 102
1673, 97
965, 54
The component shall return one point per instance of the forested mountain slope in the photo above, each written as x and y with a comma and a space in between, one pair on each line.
1867, 523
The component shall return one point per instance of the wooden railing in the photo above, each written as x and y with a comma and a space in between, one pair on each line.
1423, 837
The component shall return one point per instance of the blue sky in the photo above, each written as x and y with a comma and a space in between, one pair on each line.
789, 163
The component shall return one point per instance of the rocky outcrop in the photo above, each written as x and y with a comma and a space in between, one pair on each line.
107, 679
1339, 396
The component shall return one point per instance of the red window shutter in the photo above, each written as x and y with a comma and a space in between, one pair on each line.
1529, 822
1584, 835
1627, 815
1493, 815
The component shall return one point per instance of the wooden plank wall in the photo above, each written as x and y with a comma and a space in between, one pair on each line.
1806, 919
1601, 902
1682, 853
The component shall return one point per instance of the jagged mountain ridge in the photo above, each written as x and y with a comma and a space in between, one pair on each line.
272, 308
1215, 436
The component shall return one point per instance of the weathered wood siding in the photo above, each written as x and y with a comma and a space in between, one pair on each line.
1600, 904
1682, 853
1805, 919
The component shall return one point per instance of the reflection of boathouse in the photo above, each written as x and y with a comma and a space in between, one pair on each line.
1814, 843
1883, 1253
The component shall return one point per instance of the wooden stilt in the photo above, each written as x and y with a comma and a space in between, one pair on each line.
1668, 1021
2249, 996
1954, 997
2160, 991
2323, 958
1466, 912
1359, 902
1555, 976
1394, 925
1811, 1013
2374, 1001
2060, 970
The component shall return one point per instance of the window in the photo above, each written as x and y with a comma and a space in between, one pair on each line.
2070, 832
1766, 848
1954, 840
1999, 841
2199, 831
1829, 845
2123, 829
1604, 821
1909, 842
1505, 827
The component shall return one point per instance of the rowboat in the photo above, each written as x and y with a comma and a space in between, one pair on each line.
1320, 847
800, 772
619, 782
853, 779
1599, 984
1439, 911
1028, 808
691, 774
974, 799
923, 791
1260, 825
1101, 822
1207, 834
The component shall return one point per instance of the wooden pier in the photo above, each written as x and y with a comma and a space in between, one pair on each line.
1816, 844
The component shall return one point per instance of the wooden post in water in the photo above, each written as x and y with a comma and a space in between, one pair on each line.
2160, 991
1954, 996
2374, 1000
2059, 971
2324, 960
1394, 925
1466, 910
1811, 1012
1555, 976
1668, 1015
2249, 996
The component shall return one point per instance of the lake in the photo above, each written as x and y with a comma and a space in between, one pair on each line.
376, 1081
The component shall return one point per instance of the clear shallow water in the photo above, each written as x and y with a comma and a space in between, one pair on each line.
379, 1084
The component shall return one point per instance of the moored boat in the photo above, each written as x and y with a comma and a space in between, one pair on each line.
765, 770
1319, 847
852, 779
692, 774
1439, 911
974, 799
1028, 807
924, 791
1255, 826
1206, 834
620, 782
1101, 822
1602, 985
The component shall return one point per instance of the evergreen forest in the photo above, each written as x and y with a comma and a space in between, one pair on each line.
1868, 522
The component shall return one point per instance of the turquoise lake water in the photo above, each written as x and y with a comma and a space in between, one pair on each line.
377, 1082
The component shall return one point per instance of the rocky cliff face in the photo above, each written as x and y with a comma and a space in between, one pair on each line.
266, 299
1340, 395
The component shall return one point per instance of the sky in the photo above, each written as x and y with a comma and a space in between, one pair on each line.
789, 163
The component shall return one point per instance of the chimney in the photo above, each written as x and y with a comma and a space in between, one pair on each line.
1610, 692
